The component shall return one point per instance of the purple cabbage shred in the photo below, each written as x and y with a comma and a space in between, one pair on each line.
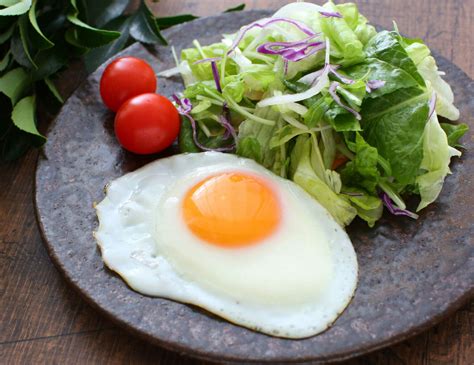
184, 108
331, 14
292, 51
372, 85
337, 99
215, 74
263, 23
333, 69
394, 209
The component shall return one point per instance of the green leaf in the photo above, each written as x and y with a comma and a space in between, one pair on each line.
99, 55
8, 2
263, 134
341, 210
185, 138
285, 134
436, 158
428, 69
386, 47
250, 147
369, 208
345, 44
53, 22
14, 84
5, 61
23, 116
25, 40
203, 71
257, 79
362, 171
373, 69
53, 90
394, 124
316, 111
51, 60
201, 88
40, 41
144, 27
234, 88
71, 36
86, 36
454, 132
235, 8
166, 22
100, 12
341, 119
17, 8
357, 22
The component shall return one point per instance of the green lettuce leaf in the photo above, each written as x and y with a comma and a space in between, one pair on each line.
436, 158
386, 46
362, 171
357, 22
203, 71
254, 139
373, 69
394, 124
234, 88
454, 132
428, 69
369, 208
304, 175
341, 120
345, 44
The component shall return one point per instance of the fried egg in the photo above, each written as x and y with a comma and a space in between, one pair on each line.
225, 234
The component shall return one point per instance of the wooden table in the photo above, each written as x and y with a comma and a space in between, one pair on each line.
42, 320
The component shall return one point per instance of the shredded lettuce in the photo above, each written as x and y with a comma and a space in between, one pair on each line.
317, 95
305, 176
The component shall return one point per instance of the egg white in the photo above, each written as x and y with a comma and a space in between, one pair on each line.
293, 284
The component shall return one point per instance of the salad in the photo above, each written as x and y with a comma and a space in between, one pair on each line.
318, 96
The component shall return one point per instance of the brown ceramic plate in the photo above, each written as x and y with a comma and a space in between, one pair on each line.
412, 273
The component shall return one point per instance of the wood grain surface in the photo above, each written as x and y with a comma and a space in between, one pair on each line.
43, 321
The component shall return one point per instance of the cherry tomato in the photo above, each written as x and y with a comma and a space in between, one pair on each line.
125, 78
339, 161
147, 123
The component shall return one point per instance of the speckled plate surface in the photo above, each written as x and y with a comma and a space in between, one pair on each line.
412, 273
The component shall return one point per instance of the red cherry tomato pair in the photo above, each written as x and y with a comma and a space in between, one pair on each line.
145, 122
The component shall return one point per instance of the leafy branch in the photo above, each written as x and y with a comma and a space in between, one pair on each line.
38, 38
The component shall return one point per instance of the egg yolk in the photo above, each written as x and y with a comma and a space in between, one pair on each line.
232, 209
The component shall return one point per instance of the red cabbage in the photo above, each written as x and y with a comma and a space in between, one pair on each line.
331, 14
394, 209
215, 74
337, 99
333, 69
184, 108
263, 23
372, 85
312, 77
292, 51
